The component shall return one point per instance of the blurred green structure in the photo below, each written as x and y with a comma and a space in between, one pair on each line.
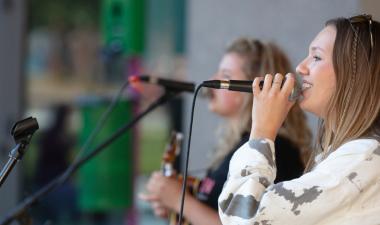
106, 181
122, 29
123, 25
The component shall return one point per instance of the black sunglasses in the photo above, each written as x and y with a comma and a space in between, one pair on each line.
364, 18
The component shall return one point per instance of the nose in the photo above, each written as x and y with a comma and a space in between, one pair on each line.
302, 68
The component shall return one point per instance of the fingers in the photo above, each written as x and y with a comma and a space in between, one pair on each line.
288, 85
163, 187
267, 82
155, 182
157, 174
148, 197
159, 210
277, 82
256, 85
271, 83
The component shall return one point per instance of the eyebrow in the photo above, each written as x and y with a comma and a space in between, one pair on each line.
314, 48
226, 70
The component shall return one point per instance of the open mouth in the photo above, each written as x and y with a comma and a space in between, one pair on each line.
306, 86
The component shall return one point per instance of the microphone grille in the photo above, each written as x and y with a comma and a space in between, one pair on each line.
297, 90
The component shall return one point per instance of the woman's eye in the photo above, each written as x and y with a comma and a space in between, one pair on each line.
316, 58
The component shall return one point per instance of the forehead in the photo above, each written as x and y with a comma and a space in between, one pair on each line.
232, 60
325, 39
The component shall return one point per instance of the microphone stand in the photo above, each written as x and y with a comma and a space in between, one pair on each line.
22, 133
14, 156
20, 212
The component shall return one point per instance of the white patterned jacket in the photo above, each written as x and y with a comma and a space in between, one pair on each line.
343, 189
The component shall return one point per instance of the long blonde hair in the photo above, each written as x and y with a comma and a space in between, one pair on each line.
353, 109
260, 59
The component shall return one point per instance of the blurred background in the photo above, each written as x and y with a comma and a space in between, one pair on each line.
63, 61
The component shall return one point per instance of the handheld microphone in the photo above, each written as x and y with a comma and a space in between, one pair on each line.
171, 85
246, 86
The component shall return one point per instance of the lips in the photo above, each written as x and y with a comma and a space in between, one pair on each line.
306, 85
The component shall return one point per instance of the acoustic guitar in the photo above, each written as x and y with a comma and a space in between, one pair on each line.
167, 167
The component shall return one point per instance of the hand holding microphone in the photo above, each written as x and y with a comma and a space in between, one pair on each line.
271, 105
273, 98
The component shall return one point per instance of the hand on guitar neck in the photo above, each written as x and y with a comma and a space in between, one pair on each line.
163, 193
164, 188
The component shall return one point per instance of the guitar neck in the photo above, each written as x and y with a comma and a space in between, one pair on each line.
167, 167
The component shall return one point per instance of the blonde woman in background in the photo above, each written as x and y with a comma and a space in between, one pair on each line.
244, 59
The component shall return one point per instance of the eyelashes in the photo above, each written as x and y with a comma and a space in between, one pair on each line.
317, 58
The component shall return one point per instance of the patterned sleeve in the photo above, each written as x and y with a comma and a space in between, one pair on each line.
250, 197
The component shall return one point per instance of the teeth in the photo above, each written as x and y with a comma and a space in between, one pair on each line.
306, 86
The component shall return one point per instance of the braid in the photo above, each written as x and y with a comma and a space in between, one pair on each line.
355, 47
354, 63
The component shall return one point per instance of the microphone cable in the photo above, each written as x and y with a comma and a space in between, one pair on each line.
184, 182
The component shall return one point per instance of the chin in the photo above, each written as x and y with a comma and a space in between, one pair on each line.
301, 103
309, 109
304, 106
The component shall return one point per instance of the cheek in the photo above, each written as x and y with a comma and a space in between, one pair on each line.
325, 75
316, 100
327, 85
226, 103
231, 98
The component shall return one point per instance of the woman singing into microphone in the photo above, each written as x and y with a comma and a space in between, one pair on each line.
244, 60
341, 85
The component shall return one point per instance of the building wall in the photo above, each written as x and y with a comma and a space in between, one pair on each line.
12, 16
